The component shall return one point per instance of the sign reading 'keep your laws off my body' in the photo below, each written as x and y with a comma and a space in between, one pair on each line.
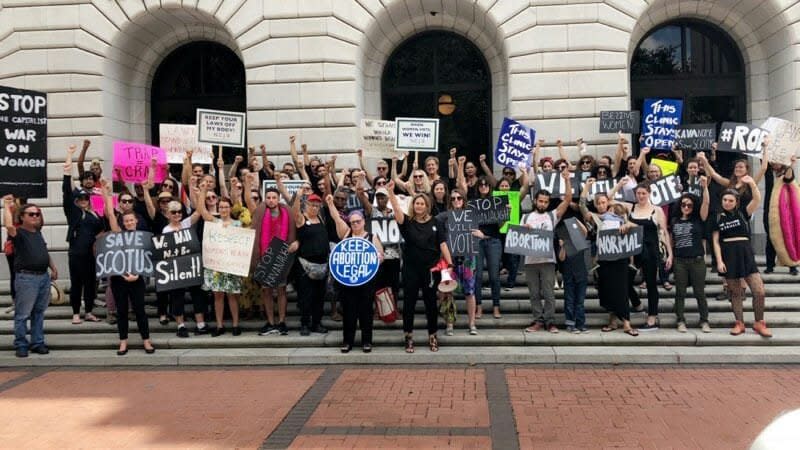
221, 127
23, 143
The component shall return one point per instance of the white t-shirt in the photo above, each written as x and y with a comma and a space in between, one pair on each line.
541, 221
185, 223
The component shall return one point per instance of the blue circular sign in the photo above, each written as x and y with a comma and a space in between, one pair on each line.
354, 261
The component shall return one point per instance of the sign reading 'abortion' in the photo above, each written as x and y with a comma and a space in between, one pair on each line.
613, 245
514, 144
525, 241
23, 143
128, 252
354, 261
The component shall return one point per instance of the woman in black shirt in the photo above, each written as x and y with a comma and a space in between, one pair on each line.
735, 259
312, 267
424, 245
690, 265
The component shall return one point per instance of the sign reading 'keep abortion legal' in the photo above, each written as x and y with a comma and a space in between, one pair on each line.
354, 261
23, 143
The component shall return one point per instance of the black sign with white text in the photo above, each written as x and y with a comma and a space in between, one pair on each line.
612, 245
665, 191
386, 229
616, 121
180, 260
696, 137
23, 143
489, 210
460, 240
274, 265
128, 252
741, 138
535, 243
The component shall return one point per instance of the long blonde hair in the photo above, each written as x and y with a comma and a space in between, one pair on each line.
427, 199
426, 183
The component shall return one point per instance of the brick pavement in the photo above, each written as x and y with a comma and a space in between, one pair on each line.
390, 442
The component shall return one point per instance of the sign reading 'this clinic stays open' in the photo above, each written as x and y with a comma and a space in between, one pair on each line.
661, 117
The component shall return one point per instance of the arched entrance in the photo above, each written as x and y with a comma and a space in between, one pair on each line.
441, 74
694, 61
200, 74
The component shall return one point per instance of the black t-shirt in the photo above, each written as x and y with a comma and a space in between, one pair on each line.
86, 227
330, 224
30, 251
313, 239
732, 225
687, 238
422, 240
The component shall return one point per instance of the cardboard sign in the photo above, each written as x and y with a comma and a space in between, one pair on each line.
99, 206
696, 137
665, 190
552, 182
741, 138
125, 252
616, 121
537, 244
132, 162
179, 261
221, 127
378, 138
23, 143
611, 245
274, 265
577, 240
386, 229
667, 167
292, 187
460, 241
660, 120
692, 186
784, 140
514, 144
354, 261
176, 140
606, 186
514, 203
227, 249
489, 210
420, 135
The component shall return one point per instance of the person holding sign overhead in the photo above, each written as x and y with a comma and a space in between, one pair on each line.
425, 243
356, 300
128, 287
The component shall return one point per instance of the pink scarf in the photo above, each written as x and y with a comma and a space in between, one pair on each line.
274, 227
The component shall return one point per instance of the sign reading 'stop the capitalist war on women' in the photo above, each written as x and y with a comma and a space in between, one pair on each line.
514, 144
221, 127
23, 143
660, 118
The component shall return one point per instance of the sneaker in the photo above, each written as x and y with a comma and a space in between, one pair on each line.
449, 330
40, 349
552, 328
681, 327
648, 327
705, 327
572, 329
473, 330
769, 270
319, 329
183, 332
535, 326
268, 329
305, 331
583, 330
793, 271
21, 352
199, 331
282, 329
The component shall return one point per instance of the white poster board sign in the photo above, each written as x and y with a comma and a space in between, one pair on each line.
414, 134
784, 140
227, 249
221, 127
177, 139
377, 138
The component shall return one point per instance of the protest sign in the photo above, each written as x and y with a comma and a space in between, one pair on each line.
784, 140
413, 134
460, 240
625, 194
354, 261
386, 229
696, 137
378, 138
99, 205
513, 213
514, 144
552, 182
127, 252
274, 265
660, 119
489, 210
665, 190
536, 243
227, 249
176, 140
292, 187
692, 186
179, 261
23, 143
577, 240
667, 167
612, 245
616, 121
132, 162
221, 127
741, 138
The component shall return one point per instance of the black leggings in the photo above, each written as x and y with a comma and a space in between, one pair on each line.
123, 292
648, 261
82, 280
415, 278
310, 298
177, 299
389, 276
357, 306
162, 302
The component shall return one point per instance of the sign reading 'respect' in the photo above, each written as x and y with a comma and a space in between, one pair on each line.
661, 117
23, 143
420, 135
221, 127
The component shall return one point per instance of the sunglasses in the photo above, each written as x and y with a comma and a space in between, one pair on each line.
383, 168
174, 211
418, 176
687, 205
508, 173
483, 185
126, 200
586, 162
33, 214
456, 197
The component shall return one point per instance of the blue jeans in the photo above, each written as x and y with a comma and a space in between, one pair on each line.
33, 296
492, 250
574, 296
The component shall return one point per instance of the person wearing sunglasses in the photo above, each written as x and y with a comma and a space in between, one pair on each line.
687, 230
312, 269
464, 269
490, 251
31, 279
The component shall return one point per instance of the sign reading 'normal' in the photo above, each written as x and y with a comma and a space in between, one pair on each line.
420, 135
613, 245
23, 143
221, 127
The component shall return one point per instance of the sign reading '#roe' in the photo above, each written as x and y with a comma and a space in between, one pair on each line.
221, 127
23, 143
420, 135
741, 138
354, 261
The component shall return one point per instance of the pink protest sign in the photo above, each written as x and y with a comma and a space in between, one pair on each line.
98, 206
132, 162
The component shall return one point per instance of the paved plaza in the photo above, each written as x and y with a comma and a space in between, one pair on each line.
448, 406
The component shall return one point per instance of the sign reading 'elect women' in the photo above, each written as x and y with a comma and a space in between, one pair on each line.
661, 118
354, 261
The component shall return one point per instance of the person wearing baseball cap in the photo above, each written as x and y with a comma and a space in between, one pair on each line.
312, 255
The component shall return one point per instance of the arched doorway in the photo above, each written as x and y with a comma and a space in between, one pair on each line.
441, 74
200, 74
694, 61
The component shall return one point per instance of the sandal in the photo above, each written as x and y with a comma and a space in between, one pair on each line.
609, 328
409, 344
433, 343
76, 320
667, 285
631, 332
91, 318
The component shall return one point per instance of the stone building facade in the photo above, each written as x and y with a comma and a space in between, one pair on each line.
315, 68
